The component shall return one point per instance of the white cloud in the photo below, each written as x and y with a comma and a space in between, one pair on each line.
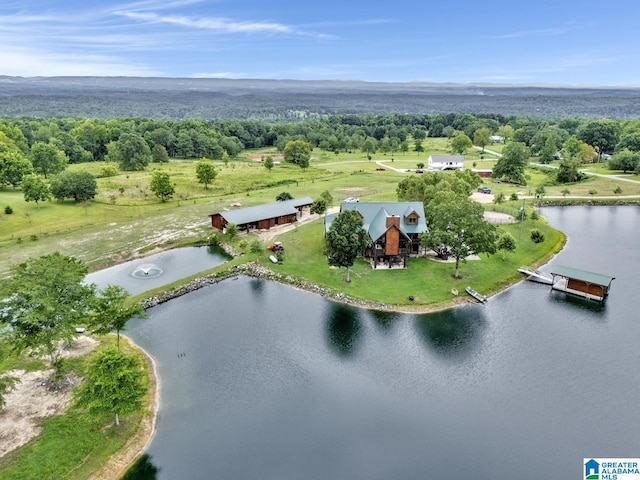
27, 63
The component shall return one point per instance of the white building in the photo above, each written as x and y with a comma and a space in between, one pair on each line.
446, 162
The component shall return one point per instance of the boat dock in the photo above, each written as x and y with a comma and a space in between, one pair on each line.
589, 285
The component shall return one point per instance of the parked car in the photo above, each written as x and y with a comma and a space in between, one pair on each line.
380, 169
483, 189
419, 170
351, 200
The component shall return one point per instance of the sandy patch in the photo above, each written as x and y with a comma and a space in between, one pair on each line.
33, 399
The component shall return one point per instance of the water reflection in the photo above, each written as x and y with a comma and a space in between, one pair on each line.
384, 320
587, 306
453, 333
142, 469
343, 328
257, 287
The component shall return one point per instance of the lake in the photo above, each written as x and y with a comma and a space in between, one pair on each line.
263, 381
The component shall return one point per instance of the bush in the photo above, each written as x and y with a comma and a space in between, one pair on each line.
8, 210
109, 170
537, 236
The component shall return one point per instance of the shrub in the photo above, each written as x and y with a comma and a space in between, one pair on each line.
537, 236
109, 170
8, 210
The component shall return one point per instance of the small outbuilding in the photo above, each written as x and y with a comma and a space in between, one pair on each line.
590, 285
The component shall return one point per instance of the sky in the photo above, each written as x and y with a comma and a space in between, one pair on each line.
560, 42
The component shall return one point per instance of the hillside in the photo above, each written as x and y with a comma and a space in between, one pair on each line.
108, 97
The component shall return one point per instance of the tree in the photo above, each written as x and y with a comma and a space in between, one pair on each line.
625, 160
512, 164
568, 172
506, 132
47, 159
35, 189
45, 299
78, 184
346, 240
319, 206
113, 384
13, 167
282, 196
206, 172
112, 310
482, 137
369, 146
268, 163
548, 151
460, 143
600, 134
131, 152
457, 228
328, 198
506, 243
159, 154
298, 152
161, 185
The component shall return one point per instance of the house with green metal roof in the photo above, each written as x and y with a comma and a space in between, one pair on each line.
393, 227
262, 217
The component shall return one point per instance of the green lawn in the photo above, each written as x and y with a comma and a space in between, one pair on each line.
429, 282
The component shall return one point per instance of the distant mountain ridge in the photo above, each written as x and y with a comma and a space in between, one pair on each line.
209, 98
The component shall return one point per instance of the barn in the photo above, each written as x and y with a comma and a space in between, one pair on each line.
262, 217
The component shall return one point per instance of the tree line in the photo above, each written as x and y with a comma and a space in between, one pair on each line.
35, 149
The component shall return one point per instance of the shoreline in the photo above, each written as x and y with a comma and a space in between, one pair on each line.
118, 463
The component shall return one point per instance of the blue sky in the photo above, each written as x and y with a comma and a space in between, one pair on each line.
562, 42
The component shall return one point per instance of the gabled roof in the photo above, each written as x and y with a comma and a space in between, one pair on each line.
374, 216
582, 275
262, 212
447, 158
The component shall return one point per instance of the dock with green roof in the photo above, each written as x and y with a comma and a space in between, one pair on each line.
590, 285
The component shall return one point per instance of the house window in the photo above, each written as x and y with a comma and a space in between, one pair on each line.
412, 220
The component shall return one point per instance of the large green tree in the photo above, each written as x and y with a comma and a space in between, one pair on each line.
114, 384
346, 240
131, 152
512, 164
206, 172
625, 160
161, 185
35, 189
298, 152
112, 310
460, 142
47, 159
600, 134
77, 184
482, 137
13, 167
457, 228
44, 300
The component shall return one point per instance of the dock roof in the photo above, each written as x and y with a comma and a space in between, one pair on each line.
582, 275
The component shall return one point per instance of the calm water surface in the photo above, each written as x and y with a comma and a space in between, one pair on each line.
160, 269
262, 381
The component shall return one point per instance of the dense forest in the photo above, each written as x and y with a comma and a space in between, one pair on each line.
289, 100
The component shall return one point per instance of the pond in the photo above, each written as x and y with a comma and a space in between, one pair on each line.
263, 381
143, 274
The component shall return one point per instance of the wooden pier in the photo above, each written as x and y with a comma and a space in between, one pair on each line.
589, 285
